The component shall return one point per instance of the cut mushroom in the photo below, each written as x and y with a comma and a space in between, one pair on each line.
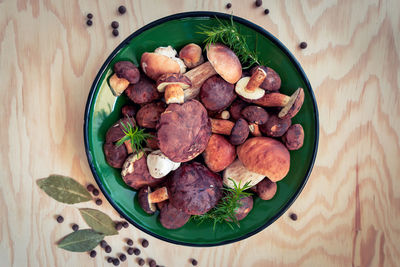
240, 175
222, 61
144, 201
293, 106
118, 85
159, 165
173, 84
248, 87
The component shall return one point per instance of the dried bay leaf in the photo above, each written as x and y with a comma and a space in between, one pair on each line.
64, 189
99, 221
81, 240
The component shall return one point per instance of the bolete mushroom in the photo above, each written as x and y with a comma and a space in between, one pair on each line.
246, 205
135, 172
265, 156
240, 132
293, 106
272, 82
144, 202
117, 85
127, 70
171, 217
172, 54
265, 189
275, 126
222, 61
219, 153
159, 165
294, 137
248, 87
255, 114
216, 94
174, 85
183, 131
240, 175
191, 54
236, 108
149, 114
221, 126
144, 91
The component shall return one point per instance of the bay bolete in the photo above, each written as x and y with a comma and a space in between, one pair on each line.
240, 132
248, 87
143, 92
149, 114
219, 153
294, 137
265, 156
183, 131
171, 217
173, 84
127, 70
255, 114
216, 94
272, 81
293, 106
275, 126
265, 189
240, 175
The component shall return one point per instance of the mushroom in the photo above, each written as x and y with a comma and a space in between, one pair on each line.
272, 82
135, 172
172, 54
173, 84
144, 91
294, 137
219, 153
128, 111
240, 174
254, 129
191, 55
171, 217
149, 114
117, 85
224, 115
152, 141
183, 131
271, 100
248, 87
240, 132
266, 189
275, 126
144, 202
236, 108
246, 205
265, 156
192, 188
159, 165
216, 94
220, 126
222, 61
127, 70
255, 114
293, 106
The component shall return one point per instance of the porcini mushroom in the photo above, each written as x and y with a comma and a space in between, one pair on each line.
239, 174
222, 61
239, 133
117, 85
219, 153
174, 85
275, 126
265, 156
144, 202
191, 55
294, 137
248, 87
159, 165
266, 189
255, 114
272, 82
127, 70
216, 94
172, 54
293, 106
149, 114
144, 91
171, 217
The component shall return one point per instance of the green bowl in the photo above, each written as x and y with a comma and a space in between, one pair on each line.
103, 109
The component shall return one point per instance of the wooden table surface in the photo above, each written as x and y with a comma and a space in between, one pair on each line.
349, 211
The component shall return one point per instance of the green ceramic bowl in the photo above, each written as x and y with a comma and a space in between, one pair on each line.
103, 109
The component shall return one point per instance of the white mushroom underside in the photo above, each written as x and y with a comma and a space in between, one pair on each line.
241, 90
238, 173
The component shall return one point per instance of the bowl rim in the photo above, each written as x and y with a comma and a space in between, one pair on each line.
209, 14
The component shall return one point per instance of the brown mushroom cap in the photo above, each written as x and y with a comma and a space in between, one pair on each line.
171, 217
149, 114
225, 62
255, 114
219, 153
143, 92
194, 189
240, 132
173, 78
265, 156
183, 131
266, 189
216, 94
246, 205
127, 70
275, 126
154, 65
143, 198
293, 106
272, 82
294, 137
192, 55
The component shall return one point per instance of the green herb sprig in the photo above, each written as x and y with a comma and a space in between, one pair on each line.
228, 34
135, 135
224, 211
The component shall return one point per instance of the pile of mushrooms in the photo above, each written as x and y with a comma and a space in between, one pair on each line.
195, 104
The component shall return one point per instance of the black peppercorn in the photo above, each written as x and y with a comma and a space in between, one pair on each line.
93, 253
129, 242
89, 16
141, 261
108, 249
89, 22
118, 226
145, 243
75, 227
114, 24
152, 263
116, 262
130, 251
60, 219
96, 192
293, 216
90, 187
125, 224
258, 3
115, 32
122, 9
103, 243
228, 6
303, 45
109, 259
194, 262
266, 11
122, 257
99, 202
136, 251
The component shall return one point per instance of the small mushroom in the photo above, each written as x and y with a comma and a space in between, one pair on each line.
152, 142
159, 165
154, 65
266, 189
275, 126
254, 129
272, 82
294, 137
240, 175
236, 108
117, 85
127, 70
293, 106
219, 153
220, 126
248, 87
144, 202
172, 54
246, 205
128, 111
265, 156
144, 91
191, 54
216, 94
174, 85
171, 217
222, 61
149, 114
239, 133
255, 114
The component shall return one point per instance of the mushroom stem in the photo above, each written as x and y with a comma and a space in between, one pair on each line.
256, 79
174, 94
159, 195
254, 129
128, 146
221, 126
198, 76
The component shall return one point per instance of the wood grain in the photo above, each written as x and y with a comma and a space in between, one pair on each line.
349, 212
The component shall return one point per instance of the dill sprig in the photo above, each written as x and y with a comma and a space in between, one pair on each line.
136, 136
228, 34
224, 211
